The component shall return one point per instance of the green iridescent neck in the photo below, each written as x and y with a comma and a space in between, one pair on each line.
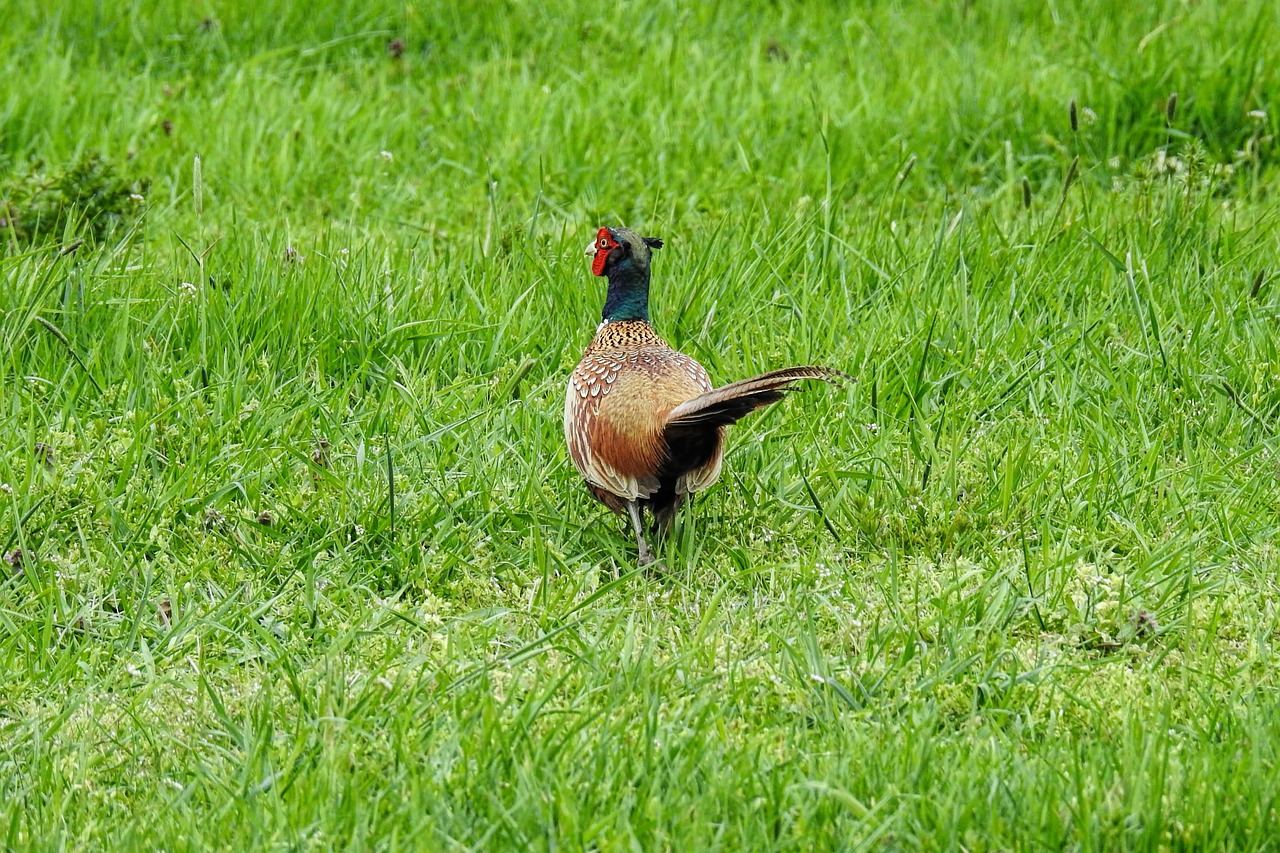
628, 296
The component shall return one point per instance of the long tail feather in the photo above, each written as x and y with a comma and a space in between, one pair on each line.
732, 402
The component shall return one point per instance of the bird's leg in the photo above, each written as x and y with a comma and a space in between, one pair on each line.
633, 509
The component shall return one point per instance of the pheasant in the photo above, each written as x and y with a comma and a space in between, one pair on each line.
644, 425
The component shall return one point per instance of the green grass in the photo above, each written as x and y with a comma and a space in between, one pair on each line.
1015, 589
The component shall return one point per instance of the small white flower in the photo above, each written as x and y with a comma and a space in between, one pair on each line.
1089, 115
138, 197
387, 156
6, 488
873, 427
1258, 115
188, 289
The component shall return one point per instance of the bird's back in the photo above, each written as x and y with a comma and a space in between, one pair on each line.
616, 406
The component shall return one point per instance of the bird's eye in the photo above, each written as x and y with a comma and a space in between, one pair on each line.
604, 242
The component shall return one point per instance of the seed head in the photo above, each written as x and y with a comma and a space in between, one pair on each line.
320, 455
1144, 624
1075, 119
1258, 281
1171, 108
197, 185
1071, 174
906, 169
45, 454
213, 520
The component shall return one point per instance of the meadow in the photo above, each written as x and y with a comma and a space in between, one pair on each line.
294, 557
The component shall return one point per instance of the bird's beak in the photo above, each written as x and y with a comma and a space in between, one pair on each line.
591, 249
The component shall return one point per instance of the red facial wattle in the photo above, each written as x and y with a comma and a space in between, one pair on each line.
597, 263
604, 245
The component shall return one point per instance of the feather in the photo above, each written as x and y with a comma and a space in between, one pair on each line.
730, 403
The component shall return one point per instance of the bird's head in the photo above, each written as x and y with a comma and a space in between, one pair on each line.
621, 249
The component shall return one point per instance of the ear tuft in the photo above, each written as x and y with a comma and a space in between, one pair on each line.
652, 242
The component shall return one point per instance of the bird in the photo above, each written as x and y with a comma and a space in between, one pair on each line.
644, 425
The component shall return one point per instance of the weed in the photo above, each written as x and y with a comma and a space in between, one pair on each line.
84, 198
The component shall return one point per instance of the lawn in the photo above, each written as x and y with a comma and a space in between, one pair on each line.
294, 557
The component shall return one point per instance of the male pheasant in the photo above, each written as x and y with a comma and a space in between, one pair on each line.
643, 423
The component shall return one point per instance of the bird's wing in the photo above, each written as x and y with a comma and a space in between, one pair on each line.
600, 449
